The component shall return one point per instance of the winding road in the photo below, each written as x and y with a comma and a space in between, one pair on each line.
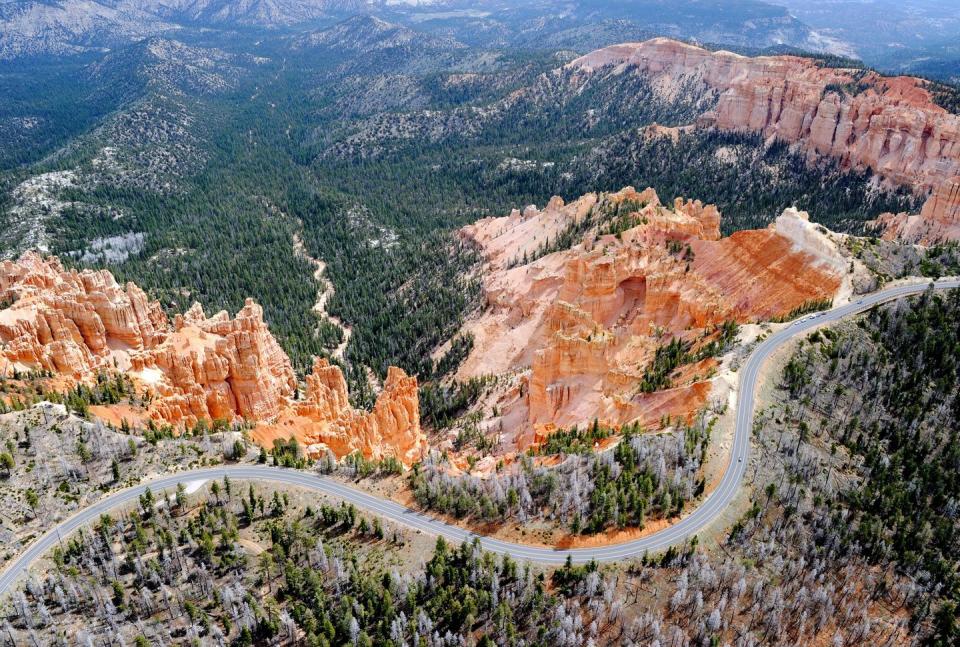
712, 506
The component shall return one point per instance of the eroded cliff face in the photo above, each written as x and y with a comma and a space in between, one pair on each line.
581, 326
325, 420
892, 126
77, 324
887, 124
71, 323
939, 220
216, 367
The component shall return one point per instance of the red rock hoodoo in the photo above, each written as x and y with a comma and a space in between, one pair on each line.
68, 322
325, 419
76, 324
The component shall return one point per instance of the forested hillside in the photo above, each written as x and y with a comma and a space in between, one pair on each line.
750, 180
645, 477
873, 407
243, 566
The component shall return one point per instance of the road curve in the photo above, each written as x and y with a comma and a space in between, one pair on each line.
688, 526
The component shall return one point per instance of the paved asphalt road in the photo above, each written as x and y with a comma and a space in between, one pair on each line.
690, 525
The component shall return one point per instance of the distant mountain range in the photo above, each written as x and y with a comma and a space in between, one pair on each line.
37, 28
365, 43
890, 34
884, 34
64, 27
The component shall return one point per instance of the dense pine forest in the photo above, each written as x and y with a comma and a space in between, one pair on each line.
751, 181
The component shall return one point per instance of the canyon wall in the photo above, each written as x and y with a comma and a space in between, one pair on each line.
887, 124
77, 324
892, 126
581, 326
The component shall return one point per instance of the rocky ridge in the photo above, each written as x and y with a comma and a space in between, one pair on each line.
580, 327
78, 324
887, 124
365, 33
73, 26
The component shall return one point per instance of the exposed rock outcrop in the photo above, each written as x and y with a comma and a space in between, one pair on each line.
943, 208
583, 325
325, 420
939, 220
69, 322
217, 367
887, 124
77, 324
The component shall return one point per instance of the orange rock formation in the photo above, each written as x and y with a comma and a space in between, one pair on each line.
939, 219
76, 324
325, 419
582, 325
887, 124
70, 323
217, 368
892, 126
